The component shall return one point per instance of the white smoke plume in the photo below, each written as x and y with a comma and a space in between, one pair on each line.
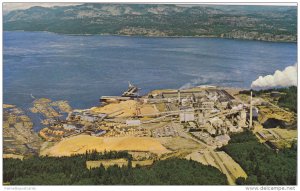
196, 82
287, 77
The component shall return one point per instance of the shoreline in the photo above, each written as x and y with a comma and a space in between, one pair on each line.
4, 105
153, 36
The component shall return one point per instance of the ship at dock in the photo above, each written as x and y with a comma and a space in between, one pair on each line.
130, 94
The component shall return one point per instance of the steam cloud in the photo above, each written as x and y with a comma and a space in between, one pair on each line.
196, 82
191, 84
287, 77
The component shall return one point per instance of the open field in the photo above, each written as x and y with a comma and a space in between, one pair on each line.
180, 146
271, 112
281, 144
179, 143
13, 156
142, 163
81, 143
285, 137
220, 160
233, 167
106, 163
120, 162
281, 138
286, 133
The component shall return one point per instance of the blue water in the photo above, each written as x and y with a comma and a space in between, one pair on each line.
80, 69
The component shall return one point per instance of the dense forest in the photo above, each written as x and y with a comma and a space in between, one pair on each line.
262, 165
72, 171
290, 99
287, 100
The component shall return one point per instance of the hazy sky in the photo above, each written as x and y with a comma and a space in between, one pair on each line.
13, 6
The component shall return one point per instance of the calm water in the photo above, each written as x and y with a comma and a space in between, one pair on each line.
83, 68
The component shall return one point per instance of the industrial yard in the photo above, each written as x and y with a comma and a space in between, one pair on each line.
191, 123
188, 124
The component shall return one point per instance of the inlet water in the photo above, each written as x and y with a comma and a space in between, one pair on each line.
80, 69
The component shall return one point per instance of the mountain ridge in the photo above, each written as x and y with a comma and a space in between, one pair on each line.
265, 23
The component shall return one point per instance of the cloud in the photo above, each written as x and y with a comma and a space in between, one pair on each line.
287, 77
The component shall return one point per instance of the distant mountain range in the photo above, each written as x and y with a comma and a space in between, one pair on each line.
267, 23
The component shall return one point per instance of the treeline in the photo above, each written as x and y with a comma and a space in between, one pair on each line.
73, 171
290, 99
262, 165
93, 155
286, 100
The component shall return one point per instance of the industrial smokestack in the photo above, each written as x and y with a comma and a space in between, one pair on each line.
287, 77
250, 121
178, 96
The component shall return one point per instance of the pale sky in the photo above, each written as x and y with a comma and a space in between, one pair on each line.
13, 6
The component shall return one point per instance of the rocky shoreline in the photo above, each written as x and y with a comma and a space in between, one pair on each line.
18, 135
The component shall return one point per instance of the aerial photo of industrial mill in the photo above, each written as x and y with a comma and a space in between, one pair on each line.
149, 94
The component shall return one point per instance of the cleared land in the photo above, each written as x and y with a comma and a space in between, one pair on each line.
80, 144
179, 143
220, 160
282, 138
267, 112
106, 163
13, 156
180, 146
120, 162
125, 108
286, 137
286, 133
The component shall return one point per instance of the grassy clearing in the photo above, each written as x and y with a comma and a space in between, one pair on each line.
179, 143
119, 162
206, 157
107, 163
15, 156
286, 133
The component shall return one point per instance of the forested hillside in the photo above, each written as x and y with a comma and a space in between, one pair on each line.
288, 98
262, 165
268, 23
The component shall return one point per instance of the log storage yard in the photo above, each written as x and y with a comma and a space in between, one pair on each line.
192, 124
